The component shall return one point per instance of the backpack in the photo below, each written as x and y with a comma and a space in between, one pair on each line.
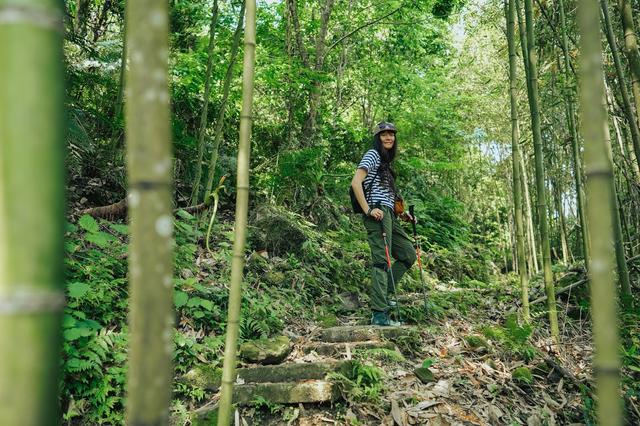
355, 206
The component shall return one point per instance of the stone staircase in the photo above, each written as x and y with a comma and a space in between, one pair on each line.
298, 381
302, 378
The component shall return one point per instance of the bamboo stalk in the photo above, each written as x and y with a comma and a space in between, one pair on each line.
515, 152
242, 204
606, 362
148, 143
539, 169
31, 210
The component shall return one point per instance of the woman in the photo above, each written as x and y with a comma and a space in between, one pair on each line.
375, 176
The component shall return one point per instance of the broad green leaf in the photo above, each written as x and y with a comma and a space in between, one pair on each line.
207, 304
68, 321
198, 314
119, 228
195, 301
180, 299
78, 289
100, 239
184, 214
76, 333
88, 223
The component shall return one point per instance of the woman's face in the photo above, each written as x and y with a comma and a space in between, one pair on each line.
387, 138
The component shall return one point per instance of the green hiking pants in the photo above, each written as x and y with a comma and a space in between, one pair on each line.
400, 249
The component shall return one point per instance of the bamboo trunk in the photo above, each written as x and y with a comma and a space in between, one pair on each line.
223, 103
31, 210
148, 143
606, 362
195, 192
242, 205
539, 169
623, 270
626, 102
631, 49
515, 152
575, 142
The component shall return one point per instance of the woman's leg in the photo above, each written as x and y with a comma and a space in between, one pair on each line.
403, 251
379, 278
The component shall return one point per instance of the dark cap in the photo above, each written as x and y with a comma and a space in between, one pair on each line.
384, 126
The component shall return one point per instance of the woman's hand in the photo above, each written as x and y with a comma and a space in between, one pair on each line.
376, 214
407, 217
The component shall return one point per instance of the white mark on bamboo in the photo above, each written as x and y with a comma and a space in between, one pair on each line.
134, 198
162, 167
164, 226
150, 95
157, 19
167, 281
137, 57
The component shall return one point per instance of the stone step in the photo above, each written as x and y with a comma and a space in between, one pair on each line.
286, 393
361, 333
336, 349
291, 372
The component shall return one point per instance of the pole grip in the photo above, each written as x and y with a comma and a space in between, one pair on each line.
413, 222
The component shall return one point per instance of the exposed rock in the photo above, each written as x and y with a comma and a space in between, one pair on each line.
286, 393
349, 302
362, 333
266, 351
203, 376
291, 372
333, 349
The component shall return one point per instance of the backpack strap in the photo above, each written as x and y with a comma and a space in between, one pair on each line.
371, 184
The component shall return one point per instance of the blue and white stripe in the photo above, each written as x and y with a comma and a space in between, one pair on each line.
378, 194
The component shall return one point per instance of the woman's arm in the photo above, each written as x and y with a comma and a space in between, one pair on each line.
356, 184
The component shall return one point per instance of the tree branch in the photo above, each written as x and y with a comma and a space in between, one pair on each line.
368, 24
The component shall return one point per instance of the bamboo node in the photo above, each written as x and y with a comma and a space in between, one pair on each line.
31, 301
36, 16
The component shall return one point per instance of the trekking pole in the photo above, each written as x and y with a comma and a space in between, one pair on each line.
393, 283
418, 253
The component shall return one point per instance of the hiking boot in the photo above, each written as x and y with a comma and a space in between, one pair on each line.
382, 319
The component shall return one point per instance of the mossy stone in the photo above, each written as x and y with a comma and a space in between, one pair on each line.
207, 418
329, 320
476, 342
424, 374
204, 376
266, 351
522, 374
276, 278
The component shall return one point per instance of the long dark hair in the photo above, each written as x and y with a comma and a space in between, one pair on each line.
387, 174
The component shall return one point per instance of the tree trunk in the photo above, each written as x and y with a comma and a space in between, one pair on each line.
530, 237
242, 206
515, 153
626, 102
195, 192
540, 180
631, 49
32, 126
308, 131
621, 261
575, 142
606, 362
116, 132
148, 138
223, 103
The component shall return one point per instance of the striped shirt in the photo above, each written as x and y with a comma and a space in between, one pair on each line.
378, 194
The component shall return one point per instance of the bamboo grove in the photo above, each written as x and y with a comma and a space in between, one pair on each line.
574, 154
158, 115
